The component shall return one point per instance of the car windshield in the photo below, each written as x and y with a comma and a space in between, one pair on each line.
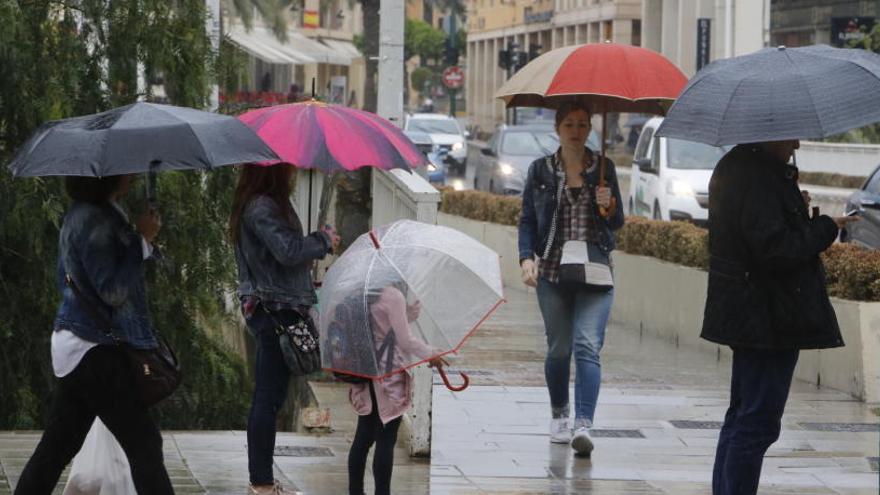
693, 156
529, 143
434, 126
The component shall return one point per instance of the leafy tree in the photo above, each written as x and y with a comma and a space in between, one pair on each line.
61, 59
421, 39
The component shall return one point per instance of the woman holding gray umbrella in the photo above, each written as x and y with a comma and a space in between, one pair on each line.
104, 258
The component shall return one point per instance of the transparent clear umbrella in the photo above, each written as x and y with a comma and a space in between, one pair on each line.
404, 294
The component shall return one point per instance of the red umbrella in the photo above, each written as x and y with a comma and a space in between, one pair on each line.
607, 77
332, 138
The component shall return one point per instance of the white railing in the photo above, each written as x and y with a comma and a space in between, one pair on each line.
398, 195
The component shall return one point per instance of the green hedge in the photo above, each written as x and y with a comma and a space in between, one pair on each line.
831, 180
853, 272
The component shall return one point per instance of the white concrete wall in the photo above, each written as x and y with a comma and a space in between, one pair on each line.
401, 195
667, 301
841, 158
644, 300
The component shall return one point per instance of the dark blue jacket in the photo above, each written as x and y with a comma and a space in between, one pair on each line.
539, 201
104, 256
274, 257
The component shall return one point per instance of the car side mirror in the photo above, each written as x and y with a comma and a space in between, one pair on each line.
645, 165
487, 151
467, 134
870, 203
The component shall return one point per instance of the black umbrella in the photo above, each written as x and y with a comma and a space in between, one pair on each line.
777, 94
142, 137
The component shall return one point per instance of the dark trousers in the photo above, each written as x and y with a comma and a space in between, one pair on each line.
272, 378
370, 430
758, 391
103, 386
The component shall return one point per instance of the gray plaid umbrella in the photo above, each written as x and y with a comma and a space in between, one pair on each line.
142, 137
778, 94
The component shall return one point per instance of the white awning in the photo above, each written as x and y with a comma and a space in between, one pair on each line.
321, 53
344, 48
263, 44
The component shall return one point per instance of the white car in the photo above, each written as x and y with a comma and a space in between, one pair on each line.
670, 177
446, 134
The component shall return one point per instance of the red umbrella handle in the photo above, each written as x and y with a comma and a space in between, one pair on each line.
445, 378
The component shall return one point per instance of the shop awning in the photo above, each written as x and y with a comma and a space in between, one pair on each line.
344, 48
263, 44
321, 53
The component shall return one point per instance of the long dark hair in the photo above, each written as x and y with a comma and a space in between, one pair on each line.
257, 180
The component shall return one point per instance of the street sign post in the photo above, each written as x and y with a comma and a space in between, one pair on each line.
453, 78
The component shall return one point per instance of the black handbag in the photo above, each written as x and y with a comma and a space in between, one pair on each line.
298, 338
157, 373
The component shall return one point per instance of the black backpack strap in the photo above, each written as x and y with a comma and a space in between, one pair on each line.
387, 349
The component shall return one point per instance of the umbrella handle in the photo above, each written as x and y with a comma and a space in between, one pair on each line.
464, 377
605, 212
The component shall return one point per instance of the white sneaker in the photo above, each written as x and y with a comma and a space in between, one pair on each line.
560, 430
581, 442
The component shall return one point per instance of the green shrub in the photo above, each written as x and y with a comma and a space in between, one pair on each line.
831, 180
853, 272
483, 206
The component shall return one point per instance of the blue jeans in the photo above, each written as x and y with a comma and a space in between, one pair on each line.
758, 391
272, 378
574, 319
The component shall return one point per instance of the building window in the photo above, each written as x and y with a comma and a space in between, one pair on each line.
607, 31
637, 32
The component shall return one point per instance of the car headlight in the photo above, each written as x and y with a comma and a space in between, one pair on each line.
457, 146
680, 188
506, 168
432, 167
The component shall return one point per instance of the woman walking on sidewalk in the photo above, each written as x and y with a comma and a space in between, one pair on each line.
562, 227
101, 264
274, 260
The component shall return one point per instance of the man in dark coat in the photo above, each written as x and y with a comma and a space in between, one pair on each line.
766, 298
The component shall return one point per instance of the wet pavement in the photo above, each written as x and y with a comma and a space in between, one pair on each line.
655, 433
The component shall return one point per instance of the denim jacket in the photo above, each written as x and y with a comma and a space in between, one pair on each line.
104, 257
539, 201
274, 257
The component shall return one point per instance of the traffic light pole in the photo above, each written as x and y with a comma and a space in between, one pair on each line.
452, 102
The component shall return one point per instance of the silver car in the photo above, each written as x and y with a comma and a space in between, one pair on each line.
505, 160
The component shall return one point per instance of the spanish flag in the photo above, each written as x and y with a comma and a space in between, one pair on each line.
311, 19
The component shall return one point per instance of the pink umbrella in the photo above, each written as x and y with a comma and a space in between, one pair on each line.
332, 138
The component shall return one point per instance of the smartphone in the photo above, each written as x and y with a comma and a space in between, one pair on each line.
852, 213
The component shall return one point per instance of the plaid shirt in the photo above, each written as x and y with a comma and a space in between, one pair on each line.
576, 222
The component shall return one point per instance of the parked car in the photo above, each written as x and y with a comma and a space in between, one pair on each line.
445, 132
435, 171
670, 177
505, 160
866, 203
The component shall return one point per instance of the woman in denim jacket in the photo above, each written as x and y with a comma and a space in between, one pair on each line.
274, 260
104, 258
575, 315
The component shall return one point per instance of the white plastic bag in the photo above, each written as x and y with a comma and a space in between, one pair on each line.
101, 466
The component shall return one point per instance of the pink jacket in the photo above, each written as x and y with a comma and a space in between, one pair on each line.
392, 392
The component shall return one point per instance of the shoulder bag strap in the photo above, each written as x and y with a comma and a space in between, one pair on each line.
90, 308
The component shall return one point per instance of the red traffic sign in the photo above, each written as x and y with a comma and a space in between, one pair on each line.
453, 77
